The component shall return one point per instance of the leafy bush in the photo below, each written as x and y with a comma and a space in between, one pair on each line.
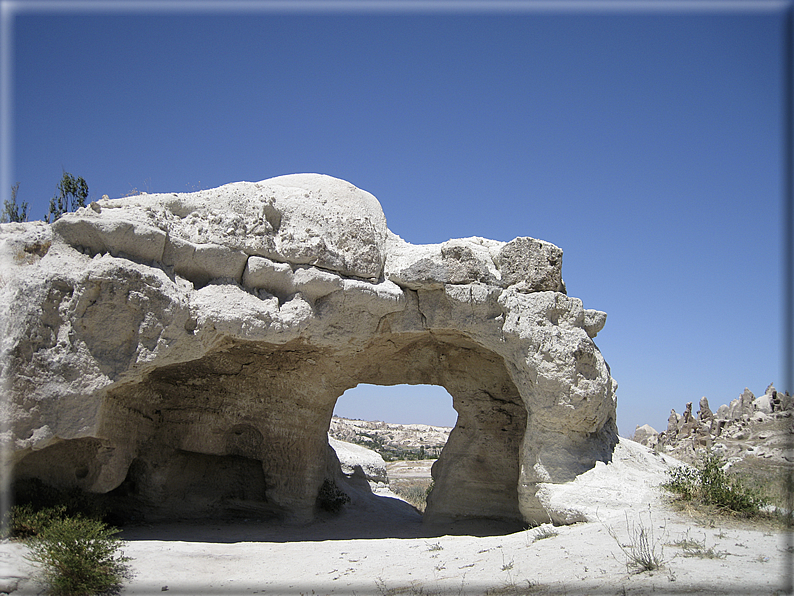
23, 521
708, 483
331, 497
78, 556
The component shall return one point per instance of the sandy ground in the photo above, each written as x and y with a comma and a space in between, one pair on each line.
381, 547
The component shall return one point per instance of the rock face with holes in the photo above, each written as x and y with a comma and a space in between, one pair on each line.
182, 353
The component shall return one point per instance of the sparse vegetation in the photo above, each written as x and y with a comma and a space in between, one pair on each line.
72, 193
515, 589
331, 497
13, 212
393, 453
413, 491
709, 484
643, 552
78, 556
694, 548
394, 442
771, 478
543, 532
415, 589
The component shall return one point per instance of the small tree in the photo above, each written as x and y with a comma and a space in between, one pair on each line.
72, 193
13, 212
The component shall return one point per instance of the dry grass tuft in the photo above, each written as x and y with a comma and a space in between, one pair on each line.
413, 491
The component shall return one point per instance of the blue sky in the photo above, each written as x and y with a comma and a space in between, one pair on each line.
644, 142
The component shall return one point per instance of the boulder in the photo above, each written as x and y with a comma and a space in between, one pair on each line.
302, 219
646, 435
763, 404
352, 456
531, 265
182, 353
735, 410
687, 416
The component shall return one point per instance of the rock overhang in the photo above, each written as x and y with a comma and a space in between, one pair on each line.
299, 267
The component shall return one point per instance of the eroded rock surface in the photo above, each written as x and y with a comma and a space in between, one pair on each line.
182, 353
748, 427
352, 456
394, 441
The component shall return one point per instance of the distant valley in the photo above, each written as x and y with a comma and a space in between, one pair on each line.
392, 441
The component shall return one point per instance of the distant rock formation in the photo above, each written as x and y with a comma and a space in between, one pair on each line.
749, 425
183, 353
397, 441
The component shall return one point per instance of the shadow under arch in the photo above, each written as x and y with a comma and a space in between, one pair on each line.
242, 433
476, 475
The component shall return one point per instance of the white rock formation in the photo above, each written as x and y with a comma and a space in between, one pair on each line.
397, 440
183, 352
749, 426
352, 456
645, 435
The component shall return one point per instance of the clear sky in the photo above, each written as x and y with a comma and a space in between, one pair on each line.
645, 142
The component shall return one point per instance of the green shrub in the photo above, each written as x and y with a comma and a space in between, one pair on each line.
708, 483
72, 193
331, 497
78, 556
13, 212
393, 453
23, 521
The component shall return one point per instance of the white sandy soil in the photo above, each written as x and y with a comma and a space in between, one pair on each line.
381, 547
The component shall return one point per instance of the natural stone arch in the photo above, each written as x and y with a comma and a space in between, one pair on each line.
477, 472
264, 404
162, 336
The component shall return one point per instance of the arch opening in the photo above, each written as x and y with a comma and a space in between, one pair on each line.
476, 475
398, 404
405, 425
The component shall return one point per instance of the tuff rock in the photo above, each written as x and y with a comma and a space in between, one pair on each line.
352, 456
749, 426
182, 353
646, 435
